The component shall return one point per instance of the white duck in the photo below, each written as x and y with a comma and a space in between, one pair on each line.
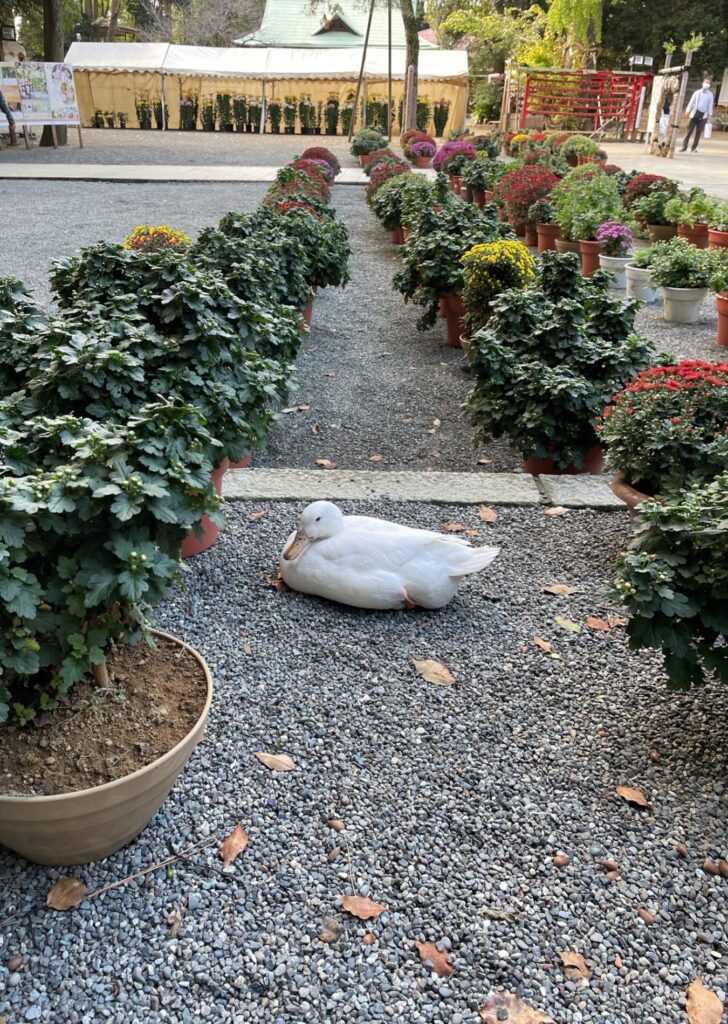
372, 563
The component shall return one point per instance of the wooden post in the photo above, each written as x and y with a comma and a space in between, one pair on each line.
389, 70
410, 98
680, 104
80, 137
161, 97
361, 69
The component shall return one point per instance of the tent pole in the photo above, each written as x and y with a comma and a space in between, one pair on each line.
389, 70
361, 69
164, 105
261, 128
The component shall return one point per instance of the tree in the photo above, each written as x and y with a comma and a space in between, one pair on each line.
579, 23
496, 37
53, 51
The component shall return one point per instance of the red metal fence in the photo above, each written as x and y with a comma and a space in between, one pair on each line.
592, 97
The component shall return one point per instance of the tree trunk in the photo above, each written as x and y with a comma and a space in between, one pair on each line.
113, 21
53, 51
412, 40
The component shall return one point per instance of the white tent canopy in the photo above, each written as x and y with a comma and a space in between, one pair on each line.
262, 63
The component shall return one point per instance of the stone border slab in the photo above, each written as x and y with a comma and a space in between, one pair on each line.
440, 488
163, 172
581, 491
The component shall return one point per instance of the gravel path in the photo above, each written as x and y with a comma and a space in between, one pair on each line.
131, 146
455, 801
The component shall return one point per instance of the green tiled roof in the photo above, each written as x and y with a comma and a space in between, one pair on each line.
293, 23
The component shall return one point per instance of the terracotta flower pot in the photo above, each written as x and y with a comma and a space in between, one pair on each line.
519, 227
396, 237
307, 312
442, 307
241, 463
590, 252
717, 239
547, 235
697, 235
423, 161
192, 544
627, 493
479, 196
721, 305
530, 237
566, 245
488, 196
76, 828
661, 232
455, 313
593, 464
405, 234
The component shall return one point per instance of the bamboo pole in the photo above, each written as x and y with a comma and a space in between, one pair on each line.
361, 69
389, 70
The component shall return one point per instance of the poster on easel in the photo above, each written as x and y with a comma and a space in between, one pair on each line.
11, 93
45, 93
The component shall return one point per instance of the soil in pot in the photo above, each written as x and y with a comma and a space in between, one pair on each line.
717, 239
721, 305
697, 235
97, 736
565, 245
590, 251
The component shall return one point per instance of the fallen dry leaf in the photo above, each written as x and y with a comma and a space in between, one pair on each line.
543, 644
429, 953
612, 876
568, 624
329, 373
276, 762
234, 844
646, 916
332, 855
174, 922
655, 757
376, 457
434, 672
516, 1011
681, 850
723, 868
610, 865
304, 407
710, 867
556, 510
315, 428
247, 649
368, 939
632, 796
488, 515
436, 422
453, 527
594, 623
326, 463
66, 893
255, 516
616, 620
361, 907
472, 533
561, 860
703, 1006
483, 462
574, 965
618, 962
278, 583
336, 824
290, 409
330, 931
561, 589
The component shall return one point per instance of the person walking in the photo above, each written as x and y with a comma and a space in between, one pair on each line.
11, 120
699, 110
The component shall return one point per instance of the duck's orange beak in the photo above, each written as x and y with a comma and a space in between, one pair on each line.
297, 546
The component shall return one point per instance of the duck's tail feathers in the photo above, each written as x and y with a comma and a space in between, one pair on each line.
474, 561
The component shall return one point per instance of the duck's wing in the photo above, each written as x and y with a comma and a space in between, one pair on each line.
384, 525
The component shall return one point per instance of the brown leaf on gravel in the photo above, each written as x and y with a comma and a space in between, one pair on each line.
612, 876
561, 589
488, 515
15, 962
361, 907
703, 1006
330, 930
472, 533
315, 428
646, 916
276, 762
681, 850
710, 867
304, 407
329, 373
568, 624
517, 1012
429, 953
174, 922
233, 844
543, 644
278, 583
561, 860
434, 672
255, 516
616, 620
336, 824
595, 623
483, 462
376, 457
654, 757
333, 854
66, 893
326, 463
574, 965
723, 868
368, 939
453, 527
556, 510
632, 796
610, 865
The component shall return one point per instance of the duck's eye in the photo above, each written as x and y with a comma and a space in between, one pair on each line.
318, 519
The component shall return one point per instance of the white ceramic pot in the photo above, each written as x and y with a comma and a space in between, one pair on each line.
640, 284
682, 305
616, 266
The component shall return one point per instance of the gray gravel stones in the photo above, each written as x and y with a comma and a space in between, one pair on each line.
455, 801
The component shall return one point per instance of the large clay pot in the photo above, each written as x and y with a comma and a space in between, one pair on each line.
442, 307
721, 305
405, 234
396, 236
423, 161
565, 245
697, 235
519, 227
593, 464
530, 237
307, 312
547, 235
661, 232
682, 305
627, 493
616, 265
717, 239
640, 284
76, 828
455, 313
479, 196
488, 194
192, 544
241, 463
590, 251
